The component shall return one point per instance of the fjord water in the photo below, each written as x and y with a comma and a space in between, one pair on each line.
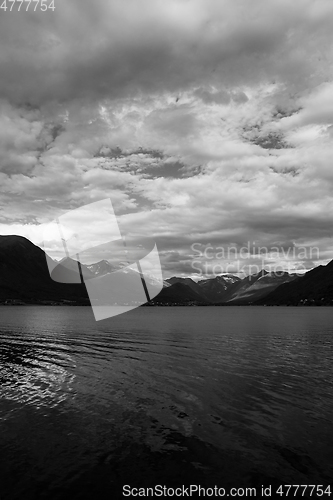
226, 396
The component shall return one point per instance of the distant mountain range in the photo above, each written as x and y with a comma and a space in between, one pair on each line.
314, 288
25, 278
230, 289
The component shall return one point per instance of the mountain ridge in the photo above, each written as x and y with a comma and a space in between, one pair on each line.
24, 275
25, 278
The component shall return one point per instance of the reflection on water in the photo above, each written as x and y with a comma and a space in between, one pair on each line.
229, 396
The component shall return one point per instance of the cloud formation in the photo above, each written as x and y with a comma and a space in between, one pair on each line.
210, 121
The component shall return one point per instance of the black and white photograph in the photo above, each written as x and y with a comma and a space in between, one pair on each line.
166, 249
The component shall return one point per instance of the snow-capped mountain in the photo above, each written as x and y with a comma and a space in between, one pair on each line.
25, 276
258, 285
100, 268
211, 289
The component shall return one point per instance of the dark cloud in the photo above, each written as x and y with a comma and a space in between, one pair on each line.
270, 141
102, 49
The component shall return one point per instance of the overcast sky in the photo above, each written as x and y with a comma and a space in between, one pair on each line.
209, 121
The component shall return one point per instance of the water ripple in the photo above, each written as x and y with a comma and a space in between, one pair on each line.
257, 384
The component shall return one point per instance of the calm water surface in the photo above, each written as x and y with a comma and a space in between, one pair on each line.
232, 396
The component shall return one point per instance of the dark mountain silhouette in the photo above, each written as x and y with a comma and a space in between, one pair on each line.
314, 288
217, 289
24, 275
231, 289
181, 294
185, 281
210, 290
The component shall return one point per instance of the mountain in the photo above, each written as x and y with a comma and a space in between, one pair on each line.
24, 275
100, 268
314, 288
179, 294
256, 286
217, 289
185, 281
210, 290
69, 271
230, 289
